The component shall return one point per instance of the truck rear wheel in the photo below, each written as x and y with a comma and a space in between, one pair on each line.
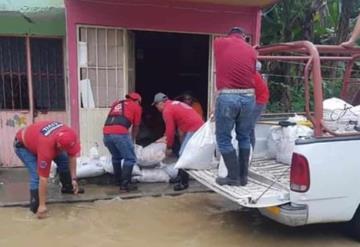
354, 225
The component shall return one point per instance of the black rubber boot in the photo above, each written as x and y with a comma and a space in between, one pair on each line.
175, 180
232, 165
244, 155
183, 182
126, 185
66, 183
117, 173
34, 200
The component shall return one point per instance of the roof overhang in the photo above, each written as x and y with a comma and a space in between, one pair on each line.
252, 3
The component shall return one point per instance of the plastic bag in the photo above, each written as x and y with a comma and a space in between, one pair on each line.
199, 152
150, 155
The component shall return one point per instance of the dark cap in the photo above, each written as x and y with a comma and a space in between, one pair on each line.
237, 30
159, 97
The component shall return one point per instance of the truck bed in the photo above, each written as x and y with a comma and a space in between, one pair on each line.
268, 185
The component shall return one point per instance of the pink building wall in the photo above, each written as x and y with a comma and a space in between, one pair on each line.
157, 15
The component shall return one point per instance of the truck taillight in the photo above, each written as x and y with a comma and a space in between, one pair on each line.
299, 173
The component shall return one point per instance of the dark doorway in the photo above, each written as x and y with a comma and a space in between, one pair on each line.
171, 63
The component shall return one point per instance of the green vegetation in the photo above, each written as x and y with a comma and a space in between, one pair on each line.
319, 21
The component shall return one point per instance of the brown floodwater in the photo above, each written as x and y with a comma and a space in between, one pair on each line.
190, 220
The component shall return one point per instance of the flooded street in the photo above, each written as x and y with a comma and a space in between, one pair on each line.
190, 220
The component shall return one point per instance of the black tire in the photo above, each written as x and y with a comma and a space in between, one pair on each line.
353, 227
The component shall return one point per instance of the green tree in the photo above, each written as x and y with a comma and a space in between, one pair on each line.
319, 21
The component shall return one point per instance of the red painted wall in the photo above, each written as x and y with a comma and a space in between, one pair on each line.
160, 15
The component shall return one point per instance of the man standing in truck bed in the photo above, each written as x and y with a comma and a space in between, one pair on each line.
235, 70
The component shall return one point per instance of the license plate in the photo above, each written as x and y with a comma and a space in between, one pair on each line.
273, 210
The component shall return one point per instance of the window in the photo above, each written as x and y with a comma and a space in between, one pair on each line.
102, 64
47, 74
13, 80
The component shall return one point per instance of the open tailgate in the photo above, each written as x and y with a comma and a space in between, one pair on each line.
268, 184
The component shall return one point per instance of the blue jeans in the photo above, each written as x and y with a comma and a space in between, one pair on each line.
233, 110
30, 161
258, 109
121, 148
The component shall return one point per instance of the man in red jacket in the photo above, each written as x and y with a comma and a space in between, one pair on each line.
178, 115
123, 114
37, 146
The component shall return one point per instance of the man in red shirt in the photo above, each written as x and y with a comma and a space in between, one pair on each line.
37, 146
179, 115
123, 114
261, 98
235, 70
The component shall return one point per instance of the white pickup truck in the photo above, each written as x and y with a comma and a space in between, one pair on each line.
322, 184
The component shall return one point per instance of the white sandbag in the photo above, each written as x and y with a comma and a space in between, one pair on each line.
108, 167
107, 164
169, 169
199, 152
136, 171
150, 155
273, 141
152, 175
287, 141
89, 167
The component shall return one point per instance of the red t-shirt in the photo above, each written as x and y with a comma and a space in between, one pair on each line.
40, 139
179, 115
261, 89
235, 63
132, 112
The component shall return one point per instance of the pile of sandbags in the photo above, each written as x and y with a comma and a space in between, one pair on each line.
149, 159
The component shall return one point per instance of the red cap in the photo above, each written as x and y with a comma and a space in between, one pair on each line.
68, 141
133, 96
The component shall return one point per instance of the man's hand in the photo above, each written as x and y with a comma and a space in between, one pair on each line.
168, 152
75, 186
41, 212
161, 140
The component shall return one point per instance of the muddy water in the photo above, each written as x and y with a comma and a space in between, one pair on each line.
190, 220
